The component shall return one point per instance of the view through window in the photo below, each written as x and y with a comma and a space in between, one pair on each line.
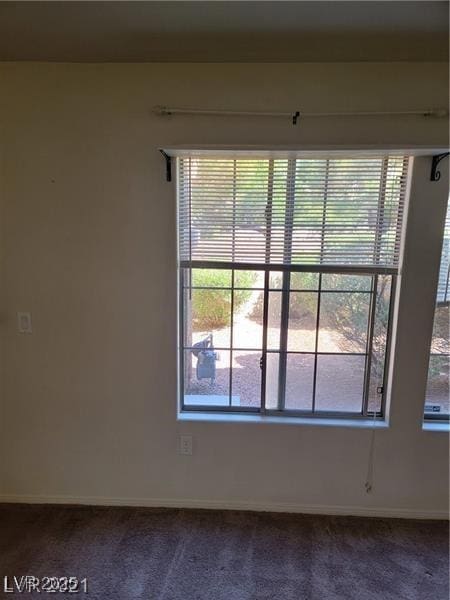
437, 400
287, 274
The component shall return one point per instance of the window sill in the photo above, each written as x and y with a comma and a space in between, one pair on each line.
443, 426
205, 417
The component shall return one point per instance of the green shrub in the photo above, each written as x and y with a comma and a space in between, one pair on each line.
211, 308
346, 313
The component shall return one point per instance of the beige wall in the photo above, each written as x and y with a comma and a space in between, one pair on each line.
87, 240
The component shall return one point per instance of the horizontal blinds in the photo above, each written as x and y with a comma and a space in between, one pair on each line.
339, 211
443, 294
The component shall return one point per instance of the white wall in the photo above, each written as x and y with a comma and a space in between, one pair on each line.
88, 246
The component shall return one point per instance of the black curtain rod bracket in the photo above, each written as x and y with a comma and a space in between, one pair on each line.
435, 174
168, 165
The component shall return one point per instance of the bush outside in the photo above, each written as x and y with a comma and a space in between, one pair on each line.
211, 308
345, 313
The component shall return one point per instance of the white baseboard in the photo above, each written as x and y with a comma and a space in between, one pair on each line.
319, 509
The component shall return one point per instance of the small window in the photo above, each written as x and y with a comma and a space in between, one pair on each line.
437, 399
287, 273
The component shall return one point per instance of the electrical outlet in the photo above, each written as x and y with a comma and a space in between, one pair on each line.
186, 445
24, 322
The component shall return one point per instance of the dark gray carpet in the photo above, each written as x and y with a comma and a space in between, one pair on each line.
158, 554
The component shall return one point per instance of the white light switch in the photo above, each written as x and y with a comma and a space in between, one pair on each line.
24, 322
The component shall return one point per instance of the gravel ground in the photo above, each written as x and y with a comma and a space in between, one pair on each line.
339, 378
339, 381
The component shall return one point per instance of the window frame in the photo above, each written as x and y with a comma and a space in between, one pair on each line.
362, 269
262, 410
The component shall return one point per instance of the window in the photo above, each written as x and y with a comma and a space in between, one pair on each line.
437, 397
287, 273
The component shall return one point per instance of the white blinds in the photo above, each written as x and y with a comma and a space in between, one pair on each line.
338, 211
443, 294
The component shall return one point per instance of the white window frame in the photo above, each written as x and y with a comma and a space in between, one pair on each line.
283, 352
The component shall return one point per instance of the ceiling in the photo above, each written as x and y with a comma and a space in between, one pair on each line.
224, 31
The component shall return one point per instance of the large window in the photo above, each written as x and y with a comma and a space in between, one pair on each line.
287, 273
437, 400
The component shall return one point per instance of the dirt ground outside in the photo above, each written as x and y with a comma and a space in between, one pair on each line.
340, 378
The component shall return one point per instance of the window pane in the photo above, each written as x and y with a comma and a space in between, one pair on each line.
304, 281
206, 378
211, 277
208, 311
339, 281
440, 339
248, 319
272, 373
249, 279
302, 321
340, 383
246, 379
343, 322
276, 280
273, 321
438, 390
299, 280
299, 381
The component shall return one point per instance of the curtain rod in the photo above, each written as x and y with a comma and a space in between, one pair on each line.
295, 115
